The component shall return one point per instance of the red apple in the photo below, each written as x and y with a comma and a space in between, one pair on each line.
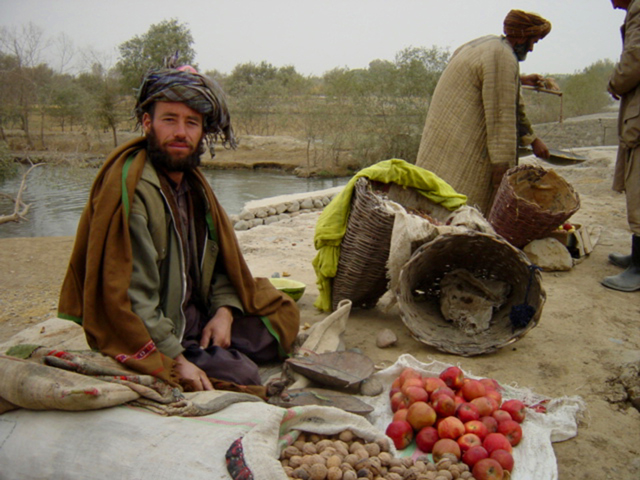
412, 382
491, 384
467, 412
399, 401
488, 469
400, 414
485, 405
451, 427
444, 405
474, 455
491, 423
407, 373
453, 377
458, 401
504, 458
445, 445
473, 389
476, 427
393, 391
501, 415
420, 415
401, 433
415, 394
516, 409
495, 395
512, 430
397, 383
443, 391
426, 438
432, 383
495, 441
469, 440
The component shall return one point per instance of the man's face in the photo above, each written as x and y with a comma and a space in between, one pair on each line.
524, 46
174, 132
621, 4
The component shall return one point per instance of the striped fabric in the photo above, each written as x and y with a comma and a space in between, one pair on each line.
471, 122
197, 91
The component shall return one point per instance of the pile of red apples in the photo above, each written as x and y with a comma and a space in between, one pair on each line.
453, 414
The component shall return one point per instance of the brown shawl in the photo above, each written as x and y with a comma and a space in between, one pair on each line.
94, 291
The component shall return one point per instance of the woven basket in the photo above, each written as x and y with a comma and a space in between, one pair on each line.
530, 203
362, 268
483, 255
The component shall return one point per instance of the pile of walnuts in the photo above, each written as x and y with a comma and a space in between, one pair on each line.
347, 457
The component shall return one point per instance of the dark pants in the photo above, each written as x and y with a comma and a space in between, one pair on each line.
251, 344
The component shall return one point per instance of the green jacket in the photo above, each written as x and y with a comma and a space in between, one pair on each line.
158, 280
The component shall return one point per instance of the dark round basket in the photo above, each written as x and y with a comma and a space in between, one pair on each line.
530, 203
484, 256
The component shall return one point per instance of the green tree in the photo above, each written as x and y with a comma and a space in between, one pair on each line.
149, 50
104, 99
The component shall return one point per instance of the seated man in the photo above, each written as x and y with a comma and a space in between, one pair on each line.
156, 277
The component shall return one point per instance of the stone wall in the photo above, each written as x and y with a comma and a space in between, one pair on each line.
273, 209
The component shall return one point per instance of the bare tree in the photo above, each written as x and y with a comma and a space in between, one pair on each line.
25, 45
20, 208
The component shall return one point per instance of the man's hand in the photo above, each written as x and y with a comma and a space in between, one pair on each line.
612, 92
192, 375
532, 80
217, 332
540, 150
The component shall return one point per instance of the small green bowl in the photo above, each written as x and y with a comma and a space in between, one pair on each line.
292, 288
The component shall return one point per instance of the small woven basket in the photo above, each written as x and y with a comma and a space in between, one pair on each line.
530, 203
362, 268
484, 256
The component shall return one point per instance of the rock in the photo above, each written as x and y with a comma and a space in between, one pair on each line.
371, 387
293, 207
242, 225
386, 338
326, 201
317, 203
549, 254
307, 203
261, 213
246, 215
281, 208
271, 219
255, 222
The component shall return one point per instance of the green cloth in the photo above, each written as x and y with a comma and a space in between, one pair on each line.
332, 224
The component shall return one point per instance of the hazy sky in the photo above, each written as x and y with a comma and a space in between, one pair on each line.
317, 36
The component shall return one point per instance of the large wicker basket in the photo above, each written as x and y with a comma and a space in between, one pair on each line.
484, 256
362, 268
530, 203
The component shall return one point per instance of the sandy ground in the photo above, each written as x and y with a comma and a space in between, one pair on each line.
585, 336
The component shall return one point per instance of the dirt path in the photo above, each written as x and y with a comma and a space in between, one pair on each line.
585, 336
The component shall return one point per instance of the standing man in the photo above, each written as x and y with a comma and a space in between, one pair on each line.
476, 118
624, 85
156, 277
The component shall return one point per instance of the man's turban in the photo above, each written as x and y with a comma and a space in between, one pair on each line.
197, 91
521, 24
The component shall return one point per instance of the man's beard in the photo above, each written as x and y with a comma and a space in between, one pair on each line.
160, 157
521, 51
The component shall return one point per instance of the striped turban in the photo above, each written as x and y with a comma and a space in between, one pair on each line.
519, 24
197, 91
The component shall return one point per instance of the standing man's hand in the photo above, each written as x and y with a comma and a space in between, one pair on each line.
540, 150
612, 92
532, 80
192, 375
217, 332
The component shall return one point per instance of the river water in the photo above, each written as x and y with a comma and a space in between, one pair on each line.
57, 195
